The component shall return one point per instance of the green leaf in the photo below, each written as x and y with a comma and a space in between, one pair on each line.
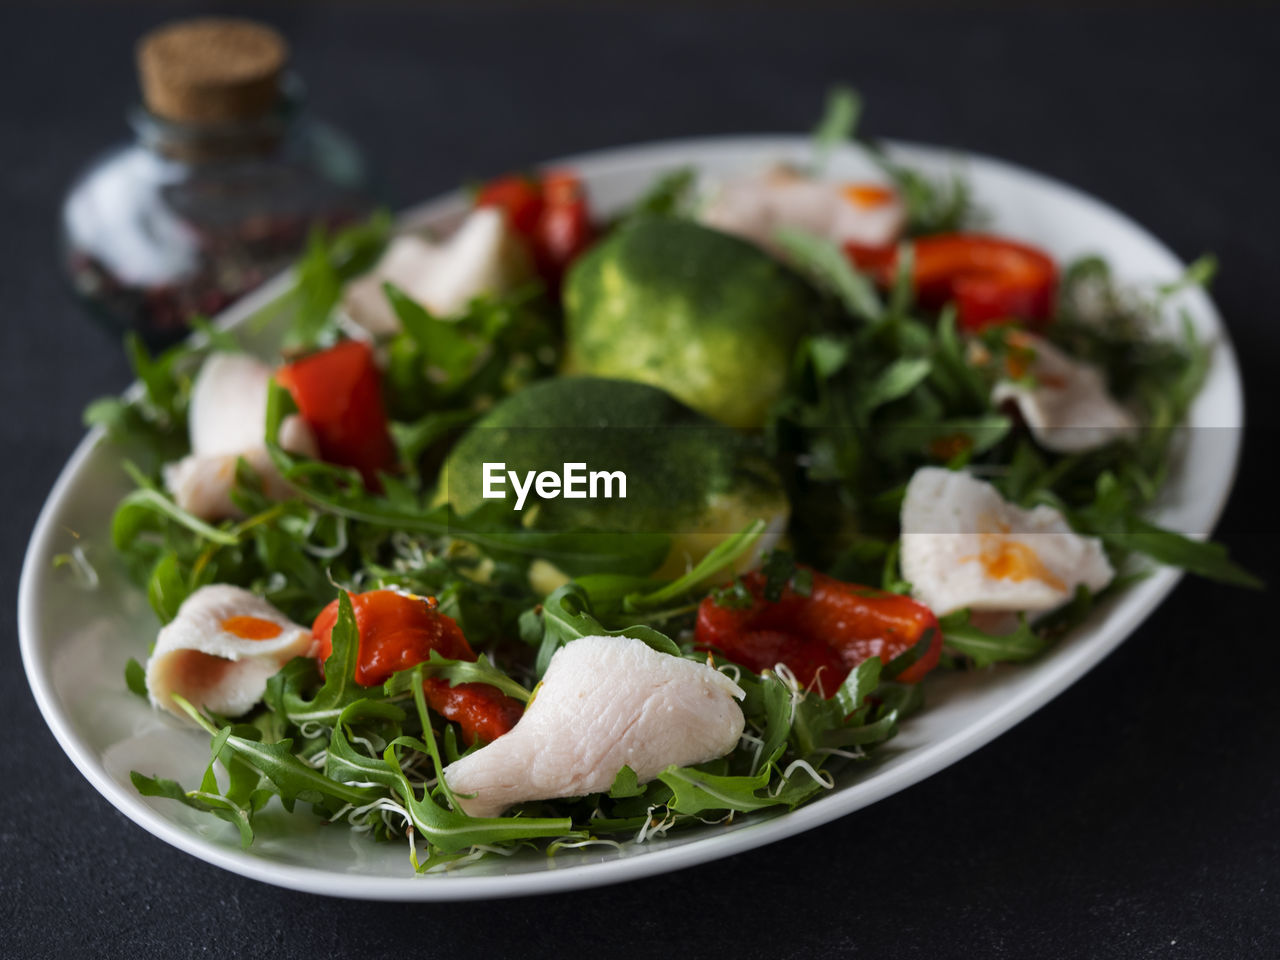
566, 615
668, 196
861, 683
340, 689
216, 337
832, 270
894, 382
134, 510
167, 589
414, 439
444, 345
720, 558
987, 648
839, 120
1199, 273
1203, 557
694, 791
456, 672
135, 678
327, 263
768, 705
294, 780
206, 802
828, 355
625, 784
345, 763
110, 413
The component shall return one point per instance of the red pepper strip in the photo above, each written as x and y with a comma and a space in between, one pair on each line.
482, 712
519, 197
991, 279
339, 394
822, 636
564, 229
550, 214
397, 632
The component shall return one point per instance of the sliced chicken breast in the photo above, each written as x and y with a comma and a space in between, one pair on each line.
757, 207
604, 702
965, 546
1067, 405
226, 420
484, 256
220, 650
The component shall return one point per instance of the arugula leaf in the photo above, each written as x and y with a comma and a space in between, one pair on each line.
1199, 273
293, 779
167, 588
443, 344
625, 784
767, 704
566, 615
344, 763
780, 571
135, 678
1203, 557
456, 672
695, 791
669, 195
414, 439
985, 648
339, 689
134, 510
1111, 517
933, 205
828, 265
719, 558
839, 120
841, 719
326, 264
894, 382
202, 800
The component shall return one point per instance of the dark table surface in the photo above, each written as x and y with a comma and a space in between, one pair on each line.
1135, 816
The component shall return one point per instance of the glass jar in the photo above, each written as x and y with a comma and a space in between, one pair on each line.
191, 216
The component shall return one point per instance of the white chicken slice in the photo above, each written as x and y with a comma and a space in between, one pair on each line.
1068, 408
604, 702
757, 207
484, 256
220, 650
226, 421
965, 546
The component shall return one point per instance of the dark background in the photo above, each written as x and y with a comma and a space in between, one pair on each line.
1136, 816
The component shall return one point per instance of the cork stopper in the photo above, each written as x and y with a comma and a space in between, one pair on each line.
211, 70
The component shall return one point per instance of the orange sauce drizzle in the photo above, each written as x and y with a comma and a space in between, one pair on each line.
1005, 559
868, 196
252, 628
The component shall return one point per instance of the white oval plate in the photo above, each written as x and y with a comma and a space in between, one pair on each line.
75, 641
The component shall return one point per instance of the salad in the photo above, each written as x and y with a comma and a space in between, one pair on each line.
556, 532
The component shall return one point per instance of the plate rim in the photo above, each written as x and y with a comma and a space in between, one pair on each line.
1141, 600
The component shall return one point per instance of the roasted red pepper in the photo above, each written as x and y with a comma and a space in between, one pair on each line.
398, 631
564, 229
990, 279
519, 196
550, 213
339, 394
820, 635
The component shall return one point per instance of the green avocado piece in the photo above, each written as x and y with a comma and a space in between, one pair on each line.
704, 315
687, 476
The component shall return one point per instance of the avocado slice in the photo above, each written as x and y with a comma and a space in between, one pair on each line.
687, 476
704, 315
